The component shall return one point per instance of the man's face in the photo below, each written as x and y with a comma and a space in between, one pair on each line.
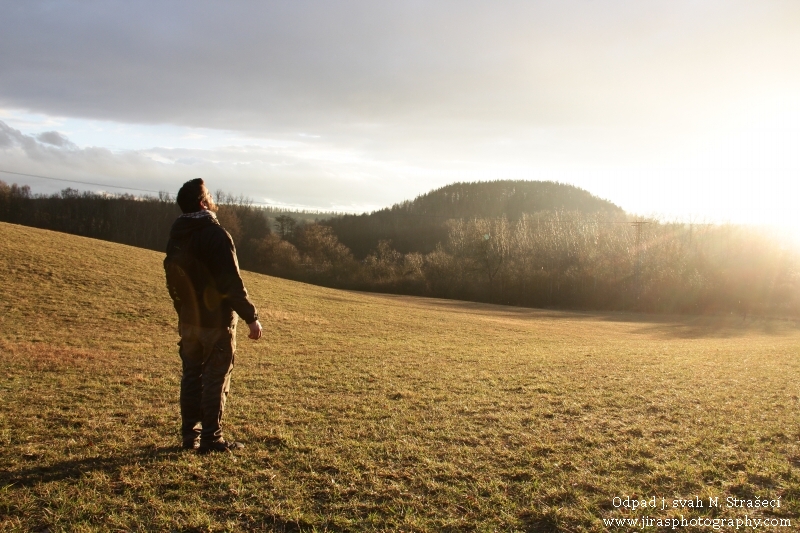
208, 202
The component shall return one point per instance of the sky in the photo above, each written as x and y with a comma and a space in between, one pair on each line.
685, 110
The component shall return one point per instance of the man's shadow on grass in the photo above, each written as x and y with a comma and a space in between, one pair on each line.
76, 468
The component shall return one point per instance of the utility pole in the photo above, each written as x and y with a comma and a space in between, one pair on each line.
638, 268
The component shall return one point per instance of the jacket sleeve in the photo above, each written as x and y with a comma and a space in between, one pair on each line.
173, 291
226, 274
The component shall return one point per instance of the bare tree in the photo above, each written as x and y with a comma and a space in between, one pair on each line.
285, 225
484, 244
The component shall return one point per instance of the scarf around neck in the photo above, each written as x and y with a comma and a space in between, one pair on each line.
203, 213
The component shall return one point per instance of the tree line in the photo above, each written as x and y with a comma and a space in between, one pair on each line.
551, 258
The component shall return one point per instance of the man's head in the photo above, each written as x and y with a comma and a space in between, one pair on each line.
194, 196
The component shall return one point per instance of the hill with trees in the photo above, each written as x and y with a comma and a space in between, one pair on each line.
419, 225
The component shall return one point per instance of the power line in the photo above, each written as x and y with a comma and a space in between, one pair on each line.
391, 214
310, 212
81, 182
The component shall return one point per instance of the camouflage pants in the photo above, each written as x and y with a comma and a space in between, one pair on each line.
207, 355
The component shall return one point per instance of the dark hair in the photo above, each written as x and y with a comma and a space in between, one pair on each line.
191, 194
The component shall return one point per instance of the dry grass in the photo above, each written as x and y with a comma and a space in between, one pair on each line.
370, 412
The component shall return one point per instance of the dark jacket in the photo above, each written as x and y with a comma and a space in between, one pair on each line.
218, 290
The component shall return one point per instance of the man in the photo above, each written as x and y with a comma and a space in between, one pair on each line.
207, 290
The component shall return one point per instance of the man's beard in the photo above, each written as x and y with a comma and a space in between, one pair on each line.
210, 203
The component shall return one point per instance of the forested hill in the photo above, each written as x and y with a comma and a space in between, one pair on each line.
418, 225
503, 198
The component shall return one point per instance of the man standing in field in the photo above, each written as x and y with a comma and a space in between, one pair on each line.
207, 290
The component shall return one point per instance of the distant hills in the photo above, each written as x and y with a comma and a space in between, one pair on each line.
418, 225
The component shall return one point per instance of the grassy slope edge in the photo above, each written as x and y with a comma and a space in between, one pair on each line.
371, 412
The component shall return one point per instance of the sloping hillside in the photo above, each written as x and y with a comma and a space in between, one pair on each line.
418, 225
372, 412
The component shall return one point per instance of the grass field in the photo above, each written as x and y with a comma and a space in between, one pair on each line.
373, 412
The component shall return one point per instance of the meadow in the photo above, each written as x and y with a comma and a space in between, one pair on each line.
369, 412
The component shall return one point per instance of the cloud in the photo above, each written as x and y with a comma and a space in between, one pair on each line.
35, 148
395, 70
56, 139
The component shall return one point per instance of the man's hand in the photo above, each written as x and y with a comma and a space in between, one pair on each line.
255, 330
